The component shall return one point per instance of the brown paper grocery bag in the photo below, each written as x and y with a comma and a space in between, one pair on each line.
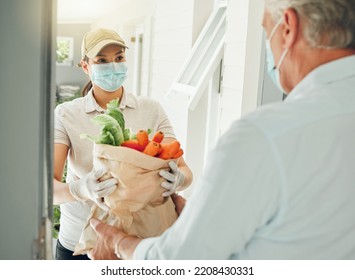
137, 206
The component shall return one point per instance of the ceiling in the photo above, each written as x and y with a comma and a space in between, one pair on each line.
80, 11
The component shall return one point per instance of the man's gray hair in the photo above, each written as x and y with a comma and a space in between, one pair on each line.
327, 23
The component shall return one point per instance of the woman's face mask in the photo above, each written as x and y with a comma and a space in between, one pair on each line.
273, 70
109, 76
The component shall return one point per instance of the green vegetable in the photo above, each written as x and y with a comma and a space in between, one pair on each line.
113, 111
127, 134
105, 137
112, 126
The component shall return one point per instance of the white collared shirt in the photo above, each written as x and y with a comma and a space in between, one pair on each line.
280, 184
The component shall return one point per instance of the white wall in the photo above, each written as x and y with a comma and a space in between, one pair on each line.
146, 56
254, 70
234, 63
172, 41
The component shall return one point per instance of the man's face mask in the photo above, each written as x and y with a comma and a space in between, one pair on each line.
109, 76
273, 70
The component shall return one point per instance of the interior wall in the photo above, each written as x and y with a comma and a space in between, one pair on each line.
202, 10
72, 75
146, 55
172, 41
254, 59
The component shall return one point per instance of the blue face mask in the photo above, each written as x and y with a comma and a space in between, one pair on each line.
109, 76
273, 70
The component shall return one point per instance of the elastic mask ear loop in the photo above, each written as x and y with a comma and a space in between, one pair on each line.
282, 58
275, 28
271, 35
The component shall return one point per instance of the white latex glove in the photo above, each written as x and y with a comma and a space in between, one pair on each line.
89, 188
174, 179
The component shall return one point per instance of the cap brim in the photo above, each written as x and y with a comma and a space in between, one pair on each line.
95, 50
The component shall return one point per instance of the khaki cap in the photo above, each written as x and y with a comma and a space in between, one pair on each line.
98, 38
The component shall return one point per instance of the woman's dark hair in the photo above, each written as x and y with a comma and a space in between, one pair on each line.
86, 88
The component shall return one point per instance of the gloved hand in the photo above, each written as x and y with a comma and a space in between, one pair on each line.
174, 179
90, 188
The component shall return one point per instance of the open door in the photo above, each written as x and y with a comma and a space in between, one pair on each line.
27, 91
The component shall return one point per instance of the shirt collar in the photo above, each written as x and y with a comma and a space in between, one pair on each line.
91, 105
327, 73
128, 100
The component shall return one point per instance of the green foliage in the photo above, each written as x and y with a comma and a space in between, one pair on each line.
113, 111
62, 51
62, 100
56, 221
112, 126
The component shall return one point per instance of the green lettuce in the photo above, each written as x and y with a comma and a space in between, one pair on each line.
113, 131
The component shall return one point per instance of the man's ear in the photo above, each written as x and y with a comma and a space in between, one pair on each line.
84, 66
292, 29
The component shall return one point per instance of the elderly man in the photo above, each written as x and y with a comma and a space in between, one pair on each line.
281, 183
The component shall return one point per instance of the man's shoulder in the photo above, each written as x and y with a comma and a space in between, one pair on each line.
266, 114
275, 118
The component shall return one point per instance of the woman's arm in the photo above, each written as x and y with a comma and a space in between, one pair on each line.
61, 192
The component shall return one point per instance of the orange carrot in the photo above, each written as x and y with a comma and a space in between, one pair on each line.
169, 150
178, 154
161, 148
152, 149
142, 138
158, 137
132, 144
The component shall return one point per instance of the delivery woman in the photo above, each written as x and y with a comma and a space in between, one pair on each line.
103, 59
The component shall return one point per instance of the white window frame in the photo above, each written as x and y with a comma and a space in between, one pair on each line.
202, 62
